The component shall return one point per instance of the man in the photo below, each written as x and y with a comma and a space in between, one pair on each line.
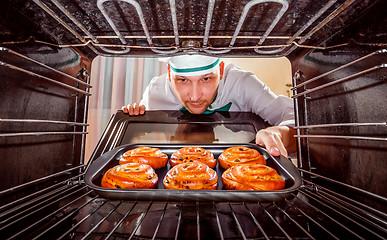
202, 84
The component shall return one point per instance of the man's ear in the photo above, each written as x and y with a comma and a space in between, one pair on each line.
169, 72
221, 69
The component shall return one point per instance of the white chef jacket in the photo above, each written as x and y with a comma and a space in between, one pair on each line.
242, 89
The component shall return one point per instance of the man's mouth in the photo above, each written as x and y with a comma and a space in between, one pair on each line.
196, 104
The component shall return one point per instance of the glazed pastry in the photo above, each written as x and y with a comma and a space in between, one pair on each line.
131, 176
191, 175
189, 154
252, 177
240, 155
148, 155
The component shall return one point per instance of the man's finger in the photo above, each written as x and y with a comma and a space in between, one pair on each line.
142, 109
272, 142
136, 109
124, 109
130, 109
279, 147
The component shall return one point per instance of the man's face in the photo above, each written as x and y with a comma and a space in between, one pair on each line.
196, 93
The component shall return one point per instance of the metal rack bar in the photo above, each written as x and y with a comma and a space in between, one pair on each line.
68, 215
140, 220
311, 219
172, 4
39, 180
300, 161
38, 134
256, 222
339, 68
120, 222
126, 50
342, 137
218, 221
353, 203
42, 121
82, 220
341, 125
237, 222
325, 214
341, 214
275, 222
285, 6
44, 204
179, 221
210, 10
12, 211
72, 31
101, 221
191, 36
160, 220
84, 129
48, 216
83, 28
109, 144
44, 65
294, 221
322, 24
246, 9
35, 194
373, 195
43, 77
346, 206
340, 80
117, 136
140, 14
302, 29
197, 221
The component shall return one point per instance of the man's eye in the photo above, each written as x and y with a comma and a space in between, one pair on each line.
206, 79
182, 80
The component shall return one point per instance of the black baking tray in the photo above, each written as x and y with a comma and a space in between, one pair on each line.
110, 159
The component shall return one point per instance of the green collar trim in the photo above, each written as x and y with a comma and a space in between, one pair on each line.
197, 69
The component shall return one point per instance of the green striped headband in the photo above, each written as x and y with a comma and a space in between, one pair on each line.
192, 61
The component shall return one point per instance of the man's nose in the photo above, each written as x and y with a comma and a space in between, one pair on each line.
195, 92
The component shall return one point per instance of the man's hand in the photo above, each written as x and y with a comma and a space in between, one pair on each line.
277, 140
134, 109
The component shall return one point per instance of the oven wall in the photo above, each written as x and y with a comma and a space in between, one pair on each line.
359, 98
30, 91
26, 96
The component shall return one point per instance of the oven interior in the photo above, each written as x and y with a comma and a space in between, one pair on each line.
338, 56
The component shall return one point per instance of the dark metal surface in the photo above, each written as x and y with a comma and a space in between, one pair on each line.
349, 153
212, 25
283, 166
71, 211
30, 147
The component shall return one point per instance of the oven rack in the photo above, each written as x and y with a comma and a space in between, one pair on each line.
300, 92
313, 212
297, 40
84, 81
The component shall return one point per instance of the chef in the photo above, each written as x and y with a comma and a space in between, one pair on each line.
203, 84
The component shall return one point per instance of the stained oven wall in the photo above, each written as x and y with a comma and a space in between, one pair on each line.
356, 94
42, 148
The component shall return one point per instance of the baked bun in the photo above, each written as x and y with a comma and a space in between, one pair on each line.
189, 154
191, 175
130, 175
252, 177
240, 155
147, 155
